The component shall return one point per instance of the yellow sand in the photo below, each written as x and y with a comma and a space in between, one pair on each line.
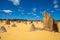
22, 32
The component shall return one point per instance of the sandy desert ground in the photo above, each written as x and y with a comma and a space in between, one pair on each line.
21, 31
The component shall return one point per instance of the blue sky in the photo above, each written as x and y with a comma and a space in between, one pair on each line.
29, 9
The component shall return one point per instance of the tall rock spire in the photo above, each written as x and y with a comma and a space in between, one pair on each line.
47, 21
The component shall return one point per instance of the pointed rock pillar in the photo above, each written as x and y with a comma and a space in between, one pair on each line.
47, 21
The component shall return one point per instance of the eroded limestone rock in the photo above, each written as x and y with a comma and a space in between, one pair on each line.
3, 29
14, 25
32, 27
7, 22
47, 21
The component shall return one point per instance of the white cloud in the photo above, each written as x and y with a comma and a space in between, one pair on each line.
37, 16
55, 2
52, 11
20, 10
56, 6
6, 11
34, 14
41, 12
48, 9
15, 2
20, 7
22, 13
34, 9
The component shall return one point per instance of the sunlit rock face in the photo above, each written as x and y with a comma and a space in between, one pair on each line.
14, 25
3, 29
32, 28
47, 21
7, 22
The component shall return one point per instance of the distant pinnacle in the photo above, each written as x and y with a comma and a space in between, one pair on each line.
45, 11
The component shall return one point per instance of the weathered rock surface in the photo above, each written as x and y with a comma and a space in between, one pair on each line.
3, 29
47, 21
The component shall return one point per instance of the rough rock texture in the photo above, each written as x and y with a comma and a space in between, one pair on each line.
55, 26
32, 27
14, 25
3, 29
47, 21
8, 22
0, 37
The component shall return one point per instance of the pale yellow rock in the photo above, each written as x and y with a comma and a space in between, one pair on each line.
47, 21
